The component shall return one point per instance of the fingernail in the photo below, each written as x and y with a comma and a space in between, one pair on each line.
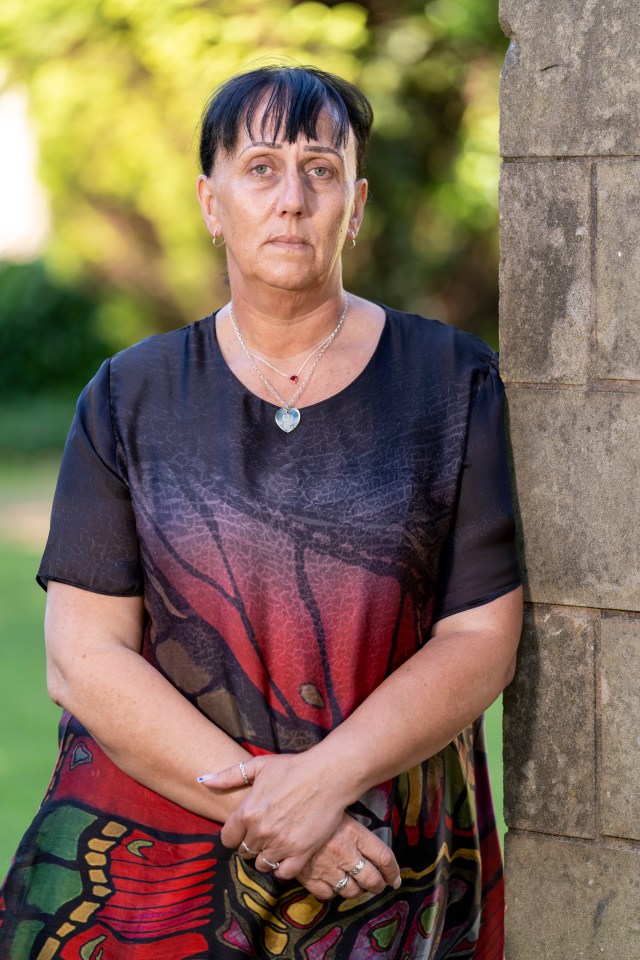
396, 883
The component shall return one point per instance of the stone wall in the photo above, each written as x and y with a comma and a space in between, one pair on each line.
570, 344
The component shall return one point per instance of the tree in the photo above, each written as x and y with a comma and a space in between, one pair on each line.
116, 87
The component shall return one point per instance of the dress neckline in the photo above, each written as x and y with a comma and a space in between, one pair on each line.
364, 374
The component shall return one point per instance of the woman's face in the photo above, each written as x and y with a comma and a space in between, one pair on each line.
284, 209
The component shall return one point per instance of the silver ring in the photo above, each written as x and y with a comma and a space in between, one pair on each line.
274, 866
252, 853
341, 884
360, 865
247, 782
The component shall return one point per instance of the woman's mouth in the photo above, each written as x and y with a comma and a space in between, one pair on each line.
288, 240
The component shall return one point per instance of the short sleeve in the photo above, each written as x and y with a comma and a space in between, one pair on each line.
479, 561
92, 541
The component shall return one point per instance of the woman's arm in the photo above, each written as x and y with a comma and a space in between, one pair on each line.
296, 800
143, 724
468, 661
149, 730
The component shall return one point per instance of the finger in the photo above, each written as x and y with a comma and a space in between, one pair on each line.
289, 867
351, 890
381, 856
319, 889
345, 886
239, 775
368, 878
246, 852
235, 831
266, 864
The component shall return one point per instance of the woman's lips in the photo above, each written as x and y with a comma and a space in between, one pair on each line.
288, 241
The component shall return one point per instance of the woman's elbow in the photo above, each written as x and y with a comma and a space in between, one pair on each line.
65, 677
70, 679
512, 652
57, 687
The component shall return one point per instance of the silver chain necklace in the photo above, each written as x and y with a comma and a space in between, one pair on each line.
293, 377
288, 416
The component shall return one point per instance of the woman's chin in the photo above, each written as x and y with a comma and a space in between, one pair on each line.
293, 279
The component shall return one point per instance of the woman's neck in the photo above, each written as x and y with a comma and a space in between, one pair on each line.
287, 324
346, 357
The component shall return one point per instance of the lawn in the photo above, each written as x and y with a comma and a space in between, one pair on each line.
28, 719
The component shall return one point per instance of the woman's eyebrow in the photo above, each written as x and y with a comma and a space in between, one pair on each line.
316, 148
310, 148
260, 143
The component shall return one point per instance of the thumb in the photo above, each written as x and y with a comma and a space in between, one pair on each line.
241, 774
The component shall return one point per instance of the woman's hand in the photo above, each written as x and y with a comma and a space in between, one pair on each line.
351, 850
297, 801
292, 818
291, 810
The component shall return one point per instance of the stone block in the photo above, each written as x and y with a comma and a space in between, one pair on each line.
549, 725
571, 900
620, 739
576, 464
618, 270
570, 84
545, 271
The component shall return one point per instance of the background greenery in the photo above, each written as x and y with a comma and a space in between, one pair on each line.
28, 719
115, 88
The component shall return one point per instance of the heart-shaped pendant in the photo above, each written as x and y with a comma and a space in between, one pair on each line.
287, 418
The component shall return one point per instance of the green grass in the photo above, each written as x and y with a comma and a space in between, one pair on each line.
32, 426
28, 719
493, 721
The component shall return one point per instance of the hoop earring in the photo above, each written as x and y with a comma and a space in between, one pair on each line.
351, 237
215, 237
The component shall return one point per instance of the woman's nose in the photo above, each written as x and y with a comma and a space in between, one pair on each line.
291, 193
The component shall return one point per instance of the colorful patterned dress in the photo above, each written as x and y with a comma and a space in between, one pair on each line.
284, 577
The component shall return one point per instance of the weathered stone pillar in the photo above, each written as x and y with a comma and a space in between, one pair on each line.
570, 339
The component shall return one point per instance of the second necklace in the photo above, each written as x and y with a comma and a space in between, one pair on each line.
287, 416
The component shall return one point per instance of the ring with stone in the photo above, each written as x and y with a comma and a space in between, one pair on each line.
341, 884
274, 866
252, 853
247, 782
360, 865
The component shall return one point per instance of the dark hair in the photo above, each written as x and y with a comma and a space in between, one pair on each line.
296, 97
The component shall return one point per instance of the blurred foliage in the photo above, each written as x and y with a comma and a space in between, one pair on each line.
49, 347
116, 88
47, 338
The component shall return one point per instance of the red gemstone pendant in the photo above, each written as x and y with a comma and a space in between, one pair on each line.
294, 378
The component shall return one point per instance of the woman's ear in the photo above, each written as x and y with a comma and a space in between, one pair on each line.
206, 199
360, 199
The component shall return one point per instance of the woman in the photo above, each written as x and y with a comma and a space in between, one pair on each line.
260, 521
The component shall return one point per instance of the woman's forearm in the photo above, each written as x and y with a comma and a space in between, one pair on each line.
425, 703
297, 800
139, 719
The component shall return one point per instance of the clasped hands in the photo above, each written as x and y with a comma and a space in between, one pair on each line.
292, 820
